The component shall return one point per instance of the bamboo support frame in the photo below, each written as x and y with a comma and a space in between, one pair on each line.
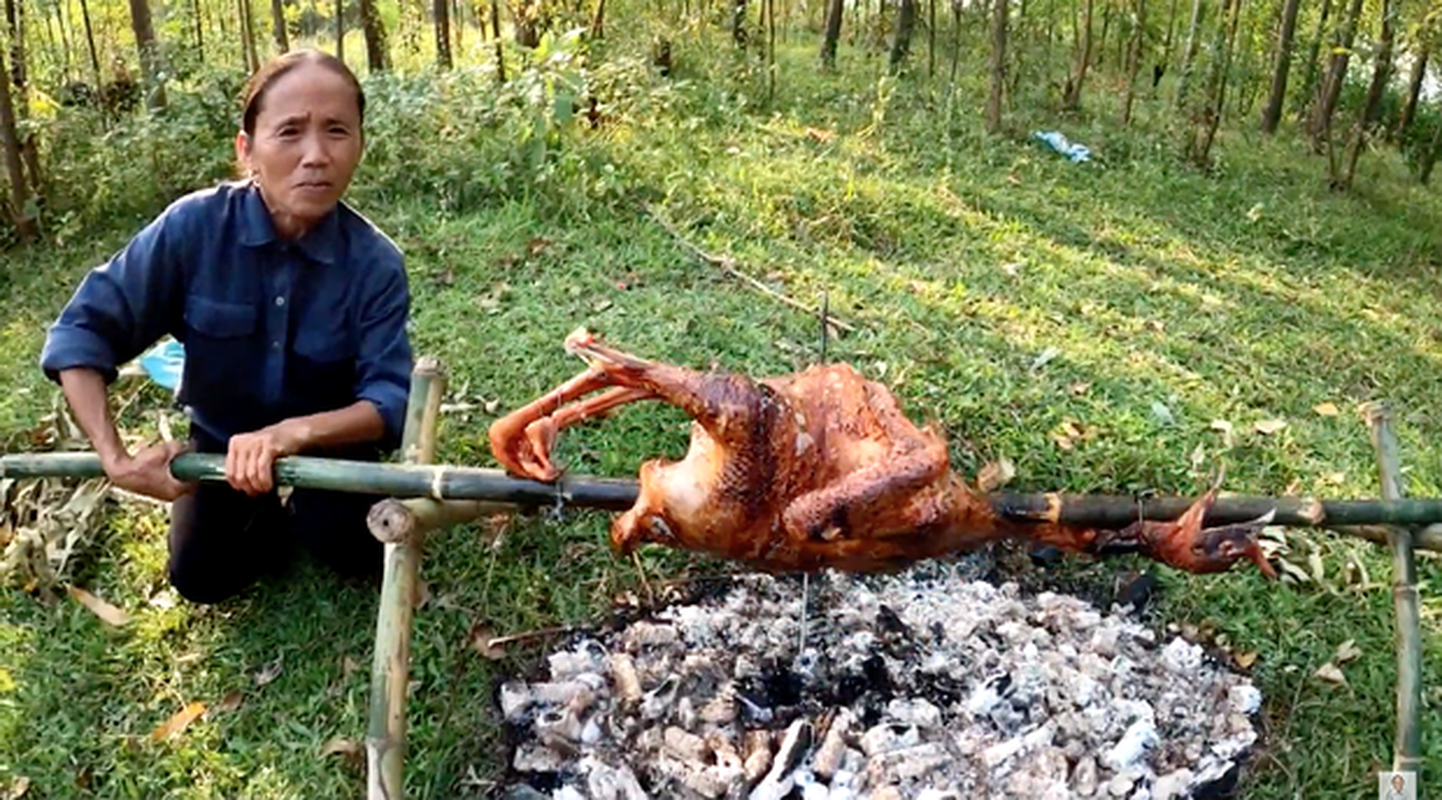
1407, 749
390, 672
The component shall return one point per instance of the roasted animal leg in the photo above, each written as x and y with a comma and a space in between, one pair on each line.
524, 450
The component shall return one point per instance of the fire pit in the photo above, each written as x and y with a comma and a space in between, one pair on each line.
923, 684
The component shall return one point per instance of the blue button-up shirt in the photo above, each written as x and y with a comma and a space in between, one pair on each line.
272, 329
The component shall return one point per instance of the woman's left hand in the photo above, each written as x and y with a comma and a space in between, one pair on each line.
249, 461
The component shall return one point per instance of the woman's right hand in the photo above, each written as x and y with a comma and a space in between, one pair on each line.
148, 472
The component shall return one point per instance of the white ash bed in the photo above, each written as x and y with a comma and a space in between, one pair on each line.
923, 684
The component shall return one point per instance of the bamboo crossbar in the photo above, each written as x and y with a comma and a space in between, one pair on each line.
445, 482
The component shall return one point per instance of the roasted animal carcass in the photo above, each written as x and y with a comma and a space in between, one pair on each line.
812, 470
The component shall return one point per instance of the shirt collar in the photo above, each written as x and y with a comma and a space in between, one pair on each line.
257, 229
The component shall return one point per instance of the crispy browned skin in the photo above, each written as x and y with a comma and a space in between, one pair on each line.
811, 470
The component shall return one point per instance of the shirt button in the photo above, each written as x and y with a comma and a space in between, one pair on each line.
275, 345
280, 301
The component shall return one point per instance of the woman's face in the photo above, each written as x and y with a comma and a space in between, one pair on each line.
306, 146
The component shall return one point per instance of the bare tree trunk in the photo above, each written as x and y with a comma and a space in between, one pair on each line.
955, 42
374, 30
1189, 56
458, 24
598, 21
1381, 72
1414, 88
998, 66
500, 46
1321, 127
442, 14
1201, 146
1429, 158
246, 15
149, 54
1272, 115
1134, 60
340, 30
834, 9
1309, 83
199, 21
905, 22
90, 40
738, 22
931, 38
277, 19
25, 226
1074, 85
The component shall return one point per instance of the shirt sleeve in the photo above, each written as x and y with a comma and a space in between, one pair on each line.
122, 306
384, 367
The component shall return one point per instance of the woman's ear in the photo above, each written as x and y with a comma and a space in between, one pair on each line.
242, 152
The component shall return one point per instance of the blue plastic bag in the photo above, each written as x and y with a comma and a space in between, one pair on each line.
1077, 153
164, 363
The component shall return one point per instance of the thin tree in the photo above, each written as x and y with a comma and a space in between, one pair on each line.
1272, 114
1414, 85
1314, 51
25, 227
277, 20
834, 9
440, 9
247, 35
1134, 59
340, 30
1084, 57
1200, 146
998, 66
901, 44
1321, 125
29, 153
149, 54
1381, 72
1189, 55
374, 31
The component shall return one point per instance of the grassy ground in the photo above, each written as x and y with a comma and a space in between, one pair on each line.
1014, 297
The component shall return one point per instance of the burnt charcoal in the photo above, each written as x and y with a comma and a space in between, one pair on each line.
1138, 592
1045, 555
889, 622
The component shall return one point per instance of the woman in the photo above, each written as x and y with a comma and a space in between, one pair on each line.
292, 309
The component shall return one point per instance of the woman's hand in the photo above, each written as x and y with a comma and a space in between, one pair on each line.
251, 457
148, 472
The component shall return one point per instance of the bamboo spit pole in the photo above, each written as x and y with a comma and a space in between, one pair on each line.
1407, 749
1359, 518
390, 672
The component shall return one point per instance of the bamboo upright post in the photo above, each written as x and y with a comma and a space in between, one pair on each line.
390, 673
1407, 749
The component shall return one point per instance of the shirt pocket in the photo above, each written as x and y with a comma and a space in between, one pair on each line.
219, 319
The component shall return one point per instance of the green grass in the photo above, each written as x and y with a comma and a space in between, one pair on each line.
1249, 294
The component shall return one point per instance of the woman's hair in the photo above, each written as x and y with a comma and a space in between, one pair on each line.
261, 81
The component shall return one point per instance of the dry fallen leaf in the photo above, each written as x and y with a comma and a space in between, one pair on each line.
107, 612
1294, 488
1314, 562
348, 666
18, 788
537, 244
178, 721
1080, 388
230, 702
481, 636
995, 475
269, 673
1336, 478
1330, 673
1347, 651
421, 594
1246, 659
1269, 426
349, 749
1327, 409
